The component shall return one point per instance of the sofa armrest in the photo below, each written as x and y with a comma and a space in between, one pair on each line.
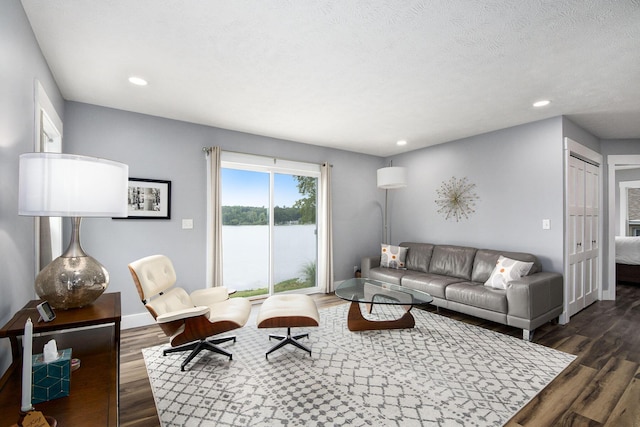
368, 263
532, 296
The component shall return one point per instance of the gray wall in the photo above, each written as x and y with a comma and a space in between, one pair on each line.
579, 135
518, 173
171, 150
610, 147
21, 63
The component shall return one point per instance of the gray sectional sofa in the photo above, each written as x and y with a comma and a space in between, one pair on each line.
455, 275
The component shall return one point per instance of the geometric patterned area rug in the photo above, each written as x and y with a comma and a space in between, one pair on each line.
441, 373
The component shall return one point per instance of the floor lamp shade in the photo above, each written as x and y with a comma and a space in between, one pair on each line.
392, 177
68, 185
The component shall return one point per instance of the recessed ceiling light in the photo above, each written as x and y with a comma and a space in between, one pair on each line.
401, 142
542, 103
138, 81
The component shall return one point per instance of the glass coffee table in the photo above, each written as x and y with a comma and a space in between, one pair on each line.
371, 292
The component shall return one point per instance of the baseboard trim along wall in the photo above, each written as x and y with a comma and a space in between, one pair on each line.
136, 320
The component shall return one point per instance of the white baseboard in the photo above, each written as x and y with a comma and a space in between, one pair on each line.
563, 319
608, 295
135, 320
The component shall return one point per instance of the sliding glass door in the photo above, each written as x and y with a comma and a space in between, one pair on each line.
269, 228
295, 244
245, 231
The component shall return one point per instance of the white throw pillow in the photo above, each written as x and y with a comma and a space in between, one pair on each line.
507, 270
393, 256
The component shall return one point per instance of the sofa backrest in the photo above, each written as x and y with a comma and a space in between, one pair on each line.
486, 259
418, 256
454, 261
460, 261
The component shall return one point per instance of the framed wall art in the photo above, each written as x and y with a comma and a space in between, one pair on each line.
149, 199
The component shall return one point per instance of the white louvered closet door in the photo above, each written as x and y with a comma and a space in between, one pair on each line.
591, 233
583, 274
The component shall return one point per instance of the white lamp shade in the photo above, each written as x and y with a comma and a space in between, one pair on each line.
55, 184
392, 177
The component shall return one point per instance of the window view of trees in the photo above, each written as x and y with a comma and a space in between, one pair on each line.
303, 210
250, 215
307, 186
244, 215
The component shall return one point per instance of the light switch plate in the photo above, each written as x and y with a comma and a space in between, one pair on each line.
187, 224
546, 224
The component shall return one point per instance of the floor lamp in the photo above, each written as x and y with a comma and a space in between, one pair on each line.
390, 178
68, 185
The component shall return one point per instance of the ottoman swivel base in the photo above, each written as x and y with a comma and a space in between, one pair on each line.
288, 339
288, 311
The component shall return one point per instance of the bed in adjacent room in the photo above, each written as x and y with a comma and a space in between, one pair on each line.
628, 259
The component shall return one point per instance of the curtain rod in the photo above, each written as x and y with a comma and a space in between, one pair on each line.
207, 151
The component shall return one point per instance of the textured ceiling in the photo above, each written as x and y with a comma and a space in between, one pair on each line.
355, 75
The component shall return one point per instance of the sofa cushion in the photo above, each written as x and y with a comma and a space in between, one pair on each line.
392, 256
477, 295
418, 256
455, 261
388, 275
486, 259
433, 284
506, 271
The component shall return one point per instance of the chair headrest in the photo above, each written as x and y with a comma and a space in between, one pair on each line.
152, 275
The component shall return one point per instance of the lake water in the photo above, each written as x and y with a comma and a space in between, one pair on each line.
246, 253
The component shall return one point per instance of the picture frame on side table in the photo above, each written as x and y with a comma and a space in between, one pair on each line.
149, 199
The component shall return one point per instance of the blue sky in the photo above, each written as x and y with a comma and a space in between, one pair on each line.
248, 188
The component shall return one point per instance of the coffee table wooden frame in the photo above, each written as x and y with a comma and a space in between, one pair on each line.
357, 322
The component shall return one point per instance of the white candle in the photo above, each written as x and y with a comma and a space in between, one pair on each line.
27, 343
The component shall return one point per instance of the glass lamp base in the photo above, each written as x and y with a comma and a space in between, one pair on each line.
72, 282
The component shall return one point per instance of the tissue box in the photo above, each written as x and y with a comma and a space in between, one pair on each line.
51, 380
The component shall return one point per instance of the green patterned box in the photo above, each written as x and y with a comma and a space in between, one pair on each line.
51, 380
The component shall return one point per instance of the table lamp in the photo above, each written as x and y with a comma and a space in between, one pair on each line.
390, 178
69, 185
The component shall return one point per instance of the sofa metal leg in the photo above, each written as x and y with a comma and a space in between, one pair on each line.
527, 334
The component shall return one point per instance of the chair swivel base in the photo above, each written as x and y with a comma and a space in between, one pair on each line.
288, 339
197, 346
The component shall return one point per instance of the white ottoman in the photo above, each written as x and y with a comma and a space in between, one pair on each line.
288, 311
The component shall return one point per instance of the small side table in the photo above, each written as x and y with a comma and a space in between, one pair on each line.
93, 334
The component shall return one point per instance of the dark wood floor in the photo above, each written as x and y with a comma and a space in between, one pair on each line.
600, 388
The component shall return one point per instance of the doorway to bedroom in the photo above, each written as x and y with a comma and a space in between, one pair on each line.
624, 242
628, 179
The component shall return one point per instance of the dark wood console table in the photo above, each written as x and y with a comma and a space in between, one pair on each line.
93, 334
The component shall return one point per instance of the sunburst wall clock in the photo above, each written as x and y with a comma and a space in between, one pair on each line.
456, 199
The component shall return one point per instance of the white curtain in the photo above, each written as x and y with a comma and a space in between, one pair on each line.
214, 218
325, 273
